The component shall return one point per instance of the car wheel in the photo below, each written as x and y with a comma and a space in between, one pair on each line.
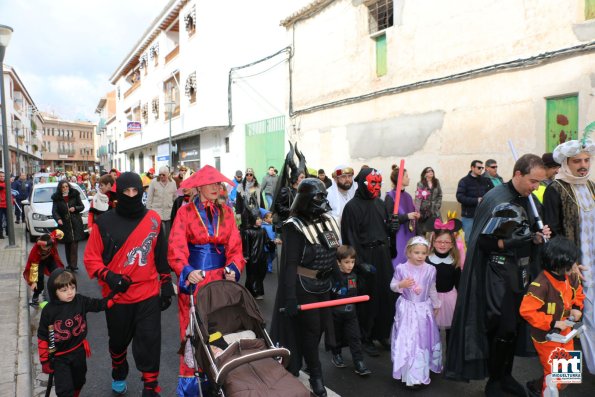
32, 238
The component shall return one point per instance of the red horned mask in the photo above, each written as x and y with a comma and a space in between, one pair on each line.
374, 183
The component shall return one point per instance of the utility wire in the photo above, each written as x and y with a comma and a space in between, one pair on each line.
495, 68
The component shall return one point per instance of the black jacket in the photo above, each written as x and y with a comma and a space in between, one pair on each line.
469, 190
69, 320
72, 223
254, 240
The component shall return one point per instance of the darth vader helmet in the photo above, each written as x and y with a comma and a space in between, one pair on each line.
508, 219
310, 200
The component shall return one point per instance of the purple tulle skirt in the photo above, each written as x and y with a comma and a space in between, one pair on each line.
415, 342
449, 300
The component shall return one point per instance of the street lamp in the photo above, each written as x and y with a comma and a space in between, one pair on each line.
5, 33
170, 106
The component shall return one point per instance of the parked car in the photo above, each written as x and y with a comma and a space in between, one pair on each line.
38, 209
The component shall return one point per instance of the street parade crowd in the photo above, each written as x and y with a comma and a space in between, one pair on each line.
499, 280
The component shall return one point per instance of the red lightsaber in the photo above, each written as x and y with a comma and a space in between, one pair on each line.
331, 303
399, 187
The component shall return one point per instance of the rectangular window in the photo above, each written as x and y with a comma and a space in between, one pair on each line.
381, 55
589, 9
381, 15
227, 145
218, 163
561, 121
171, 91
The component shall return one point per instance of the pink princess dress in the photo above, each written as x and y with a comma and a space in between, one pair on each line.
415, 340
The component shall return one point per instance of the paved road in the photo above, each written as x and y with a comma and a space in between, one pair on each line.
343, 381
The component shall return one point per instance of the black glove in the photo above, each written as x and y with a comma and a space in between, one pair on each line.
519, 238
167, 291
291, 307
164, 302
117, 282
394, 224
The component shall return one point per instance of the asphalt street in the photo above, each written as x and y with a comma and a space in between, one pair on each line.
342, 381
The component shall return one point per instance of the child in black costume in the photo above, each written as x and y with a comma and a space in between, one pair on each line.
66, 313
254, 240
345, 317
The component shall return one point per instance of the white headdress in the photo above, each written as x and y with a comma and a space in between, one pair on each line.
573, 148
418, 240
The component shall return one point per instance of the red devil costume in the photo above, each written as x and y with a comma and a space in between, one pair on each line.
203, 237
126, 252
366, 226
43, 259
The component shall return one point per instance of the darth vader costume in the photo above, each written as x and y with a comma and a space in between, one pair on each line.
308, 258
366, 226
487, 327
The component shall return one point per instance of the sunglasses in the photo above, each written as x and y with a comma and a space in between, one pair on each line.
493, 166
249, 174
161, 174
479, 168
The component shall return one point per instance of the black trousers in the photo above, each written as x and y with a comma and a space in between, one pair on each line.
255, 274
347, 333
71, 251
139, 323
70, 372
49, 264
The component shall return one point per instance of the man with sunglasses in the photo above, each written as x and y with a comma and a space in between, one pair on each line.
492, 172
470, 192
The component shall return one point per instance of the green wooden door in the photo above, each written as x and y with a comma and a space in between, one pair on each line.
265, 145
562, 121
381, 55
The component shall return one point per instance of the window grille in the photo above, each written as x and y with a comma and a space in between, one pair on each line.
381, 15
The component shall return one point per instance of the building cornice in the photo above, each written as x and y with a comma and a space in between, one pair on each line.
165, 18
305, 12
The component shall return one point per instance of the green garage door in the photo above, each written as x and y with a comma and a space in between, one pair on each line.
265, 145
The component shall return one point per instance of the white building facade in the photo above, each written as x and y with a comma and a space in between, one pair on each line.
24, 126
191, 64
439, 84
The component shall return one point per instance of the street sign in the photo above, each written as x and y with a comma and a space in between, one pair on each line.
163, 158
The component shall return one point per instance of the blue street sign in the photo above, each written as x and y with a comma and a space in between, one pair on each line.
163, 158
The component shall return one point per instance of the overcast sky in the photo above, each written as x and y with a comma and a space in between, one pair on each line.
64, 51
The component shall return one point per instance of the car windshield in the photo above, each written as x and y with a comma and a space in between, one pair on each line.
43, 195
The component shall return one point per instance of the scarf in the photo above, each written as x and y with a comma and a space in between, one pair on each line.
566, 175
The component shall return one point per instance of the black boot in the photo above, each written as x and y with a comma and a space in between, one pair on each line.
317, 386
337, 360
361, 369
496, 364
371, 349
510, 384
535, 386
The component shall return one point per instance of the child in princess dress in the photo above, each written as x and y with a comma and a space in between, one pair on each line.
415, 346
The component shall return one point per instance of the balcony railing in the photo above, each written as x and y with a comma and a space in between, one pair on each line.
65, 138
132, 88
173, 53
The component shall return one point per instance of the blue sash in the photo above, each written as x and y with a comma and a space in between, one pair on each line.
205, 256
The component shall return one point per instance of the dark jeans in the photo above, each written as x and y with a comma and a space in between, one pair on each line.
347, 332
3, 221
18, 211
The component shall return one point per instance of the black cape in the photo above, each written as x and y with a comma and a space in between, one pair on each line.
468, 347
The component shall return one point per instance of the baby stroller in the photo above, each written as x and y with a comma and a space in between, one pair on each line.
230, 344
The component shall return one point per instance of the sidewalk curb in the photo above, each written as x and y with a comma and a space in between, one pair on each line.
24, 380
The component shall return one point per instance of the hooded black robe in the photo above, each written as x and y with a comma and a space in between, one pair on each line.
363, 226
